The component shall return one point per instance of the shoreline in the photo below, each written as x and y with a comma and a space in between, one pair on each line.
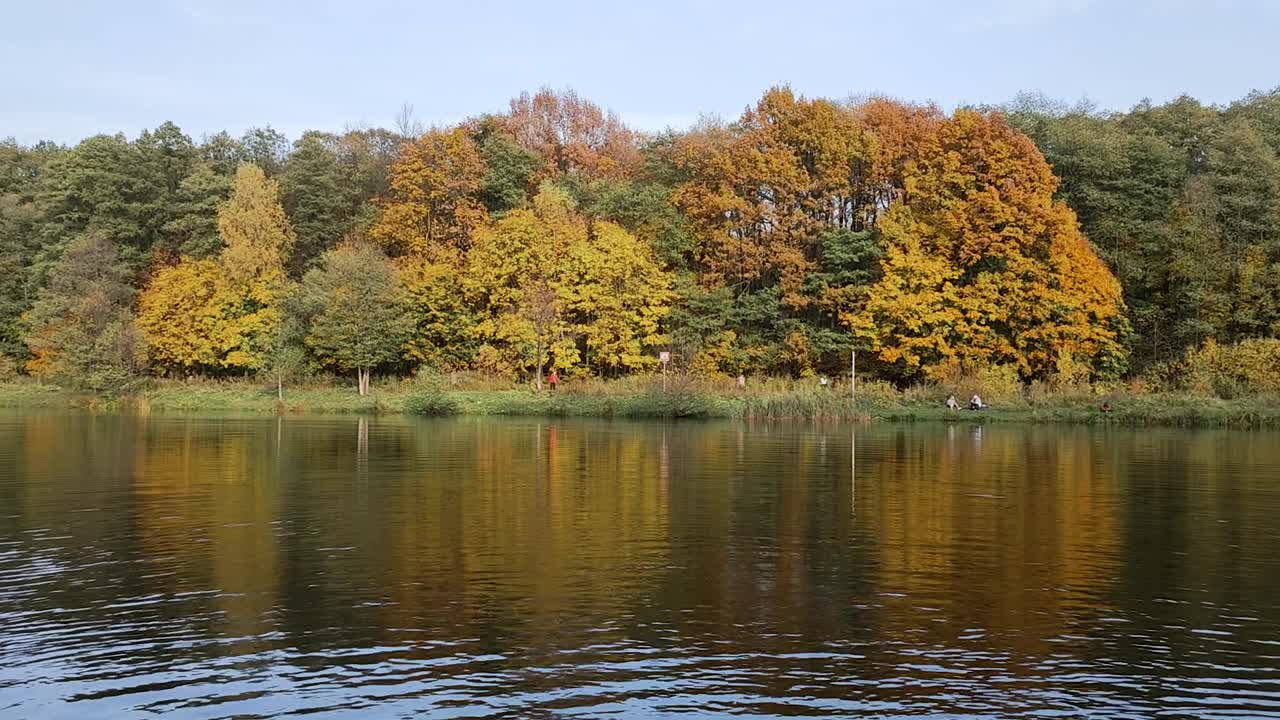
1139, 410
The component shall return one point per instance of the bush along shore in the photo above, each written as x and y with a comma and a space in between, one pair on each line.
648, 397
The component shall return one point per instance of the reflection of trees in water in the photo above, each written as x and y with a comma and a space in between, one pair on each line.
1198, 527
526, 526
540, 534
1012, 532
206, 497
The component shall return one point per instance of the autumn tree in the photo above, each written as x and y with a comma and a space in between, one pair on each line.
762, 190
434, 200
256, 234
184, 314
572, 136
355, 313
549, 284
80, 331
982, 267
443, 337
216, 315
616, 296
510, 269
763, 196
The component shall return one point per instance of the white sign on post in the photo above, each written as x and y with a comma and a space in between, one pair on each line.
664, 357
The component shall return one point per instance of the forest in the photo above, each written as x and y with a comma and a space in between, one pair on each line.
1045, 241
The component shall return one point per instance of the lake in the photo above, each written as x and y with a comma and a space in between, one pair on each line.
210, 567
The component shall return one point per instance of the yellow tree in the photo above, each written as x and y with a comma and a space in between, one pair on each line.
223, 315
433, 203
616, 295
983, 267
256, 235
512, 269
913, 315
257, 242
548, 286
183, 315
444, 334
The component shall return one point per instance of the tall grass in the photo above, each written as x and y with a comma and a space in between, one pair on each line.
680, 397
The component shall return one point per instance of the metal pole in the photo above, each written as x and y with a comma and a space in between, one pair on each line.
853, 374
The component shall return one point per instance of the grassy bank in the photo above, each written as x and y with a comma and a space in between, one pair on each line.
646, 398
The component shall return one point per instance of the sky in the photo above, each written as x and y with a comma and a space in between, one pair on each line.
73, 69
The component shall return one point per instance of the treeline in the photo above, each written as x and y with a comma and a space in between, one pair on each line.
1182, 201
552, 235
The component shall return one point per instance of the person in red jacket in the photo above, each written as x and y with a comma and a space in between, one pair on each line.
553, 380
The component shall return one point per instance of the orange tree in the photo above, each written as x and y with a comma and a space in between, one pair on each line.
982, 267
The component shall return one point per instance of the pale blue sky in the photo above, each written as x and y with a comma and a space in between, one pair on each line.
71, 69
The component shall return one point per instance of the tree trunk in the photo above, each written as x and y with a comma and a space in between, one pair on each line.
362, 381
280, 388
537, 379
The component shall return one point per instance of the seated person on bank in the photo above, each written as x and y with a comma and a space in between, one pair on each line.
975, 403
952, 405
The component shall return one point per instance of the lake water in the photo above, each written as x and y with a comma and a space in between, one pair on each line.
389, 567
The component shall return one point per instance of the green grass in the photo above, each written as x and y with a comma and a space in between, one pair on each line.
646, 398
1164, 409
35, 395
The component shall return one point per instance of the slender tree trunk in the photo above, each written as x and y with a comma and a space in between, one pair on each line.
280, 388
362, 381
537, 380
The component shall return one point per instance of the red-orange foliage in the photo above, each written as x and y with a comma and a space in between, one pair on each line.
573, 136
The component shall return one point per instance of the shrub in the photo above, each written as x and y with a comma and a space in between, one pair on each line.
8, 368
429, 396
672, 404
995, 383
1230, 371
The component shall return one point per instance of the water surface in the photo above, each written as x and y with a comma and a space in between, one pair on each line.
388, 567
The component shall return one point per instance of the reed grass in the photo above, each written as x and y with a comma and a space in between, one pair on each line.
650, 397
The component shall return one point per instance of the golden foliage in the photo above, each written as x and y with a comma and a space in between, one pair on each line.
433, 204
761, 191
223, 314
1250, 366
443, 325
256, 234
617, 296
194, 318
982, 267
542, 277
